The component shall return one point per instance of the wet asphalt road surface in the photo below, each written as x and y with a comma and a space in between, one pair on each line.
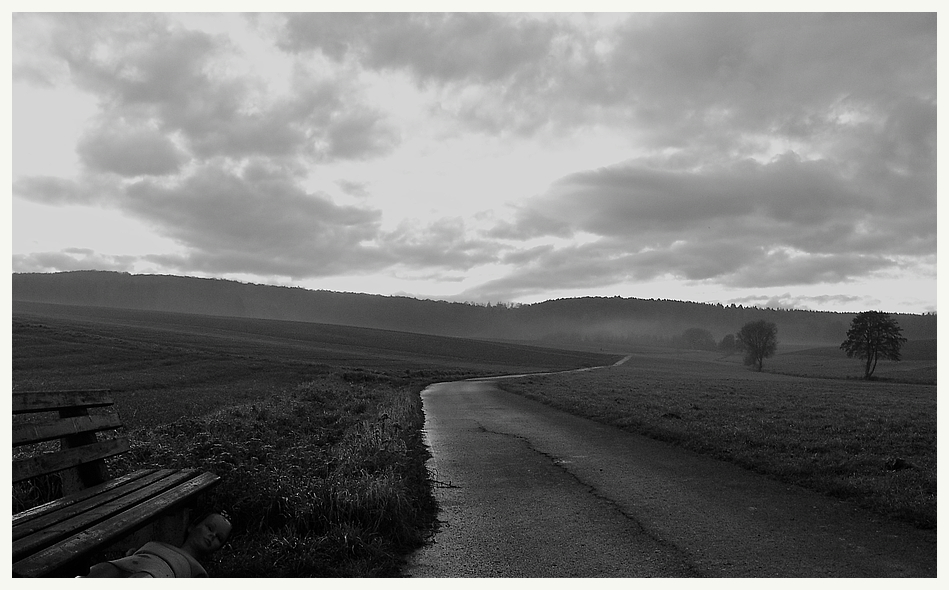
529, 491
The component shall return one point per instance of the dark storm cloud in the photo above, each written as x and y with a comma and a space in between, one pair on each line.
676, 80
785, 74
357, 135
356, 189
434, 47
257, 221
52, 190
170, 104
854, 94
786, 222
803, 204
260, 222
502, 72
445, 244
767, 149
129, 151
538, 269
152, 73
779, 268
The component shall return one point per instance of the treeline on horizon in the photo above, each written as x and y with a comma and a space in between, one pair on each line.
583, 319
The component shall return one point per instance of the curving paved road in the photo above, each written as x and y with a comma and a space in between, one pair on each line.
529, 491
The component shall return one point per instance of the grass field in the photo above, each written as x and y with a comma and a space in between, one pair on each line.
807, 419
918, 364
315, 430
167, 366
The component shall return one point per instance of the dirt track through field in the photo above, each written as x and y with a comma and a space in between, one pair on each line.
529, 491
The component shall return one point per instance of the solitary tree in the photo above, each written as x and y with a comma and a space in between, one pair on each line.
873, 335
758, 339
699, 339
728, 345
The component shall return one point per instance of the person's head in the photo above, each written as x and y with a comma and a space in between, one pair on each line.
207, 534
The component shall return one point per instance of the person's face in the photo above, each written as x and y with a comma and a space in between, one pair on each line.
210, 534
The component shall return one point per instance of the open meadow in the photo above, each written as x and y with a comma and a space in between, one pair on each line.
316, 430
806, 419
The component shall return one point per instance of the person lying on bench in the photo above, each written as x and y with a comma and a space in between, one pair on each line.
162, 560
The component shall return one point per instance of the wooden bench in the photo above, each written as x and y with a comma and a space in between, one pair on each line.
96, 512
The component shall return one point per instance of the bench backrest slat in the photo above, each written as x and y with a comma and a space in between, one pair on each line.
25, 434
25, 402
58, 461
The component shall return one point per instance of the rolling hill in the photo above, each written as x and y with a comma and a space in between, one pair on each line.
587, 319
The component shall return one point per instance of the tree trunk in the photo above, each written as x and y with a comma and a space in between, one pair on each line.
871, 365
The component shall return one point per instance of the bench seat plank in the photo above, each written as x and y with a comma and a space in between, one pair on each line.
46, 401
64, 459
25, 434
59, 503
87, 502
97, 513
112, 528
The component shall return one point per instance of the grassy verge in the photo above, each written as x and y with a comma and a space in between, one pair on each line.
326, 479
870, 443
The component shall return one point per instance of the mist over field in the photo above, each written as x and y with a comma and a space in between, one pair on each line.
614, 320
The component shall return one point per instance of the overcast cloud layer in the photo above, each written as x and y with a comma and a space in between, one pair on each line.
771, 159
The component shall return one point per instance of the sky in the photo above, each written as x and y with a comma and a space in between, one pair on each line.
770, 159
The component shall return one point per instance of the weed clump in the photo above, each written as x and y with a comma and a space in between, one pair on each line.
327, 479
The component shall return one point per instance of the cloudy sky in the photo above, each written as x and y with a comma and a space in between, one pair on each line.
761, 159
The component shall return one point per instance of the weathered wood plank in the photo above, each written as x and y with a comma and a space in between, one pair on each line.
60, 503
102, 496
60, 530
66, 531
80, 544
24, 434
44, 401
53, 462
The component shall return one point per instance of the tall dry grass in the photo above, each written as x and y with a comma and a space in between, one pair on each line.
326, 479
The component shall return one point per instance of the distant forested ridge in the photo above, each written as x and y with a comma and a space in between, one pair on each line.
589, 319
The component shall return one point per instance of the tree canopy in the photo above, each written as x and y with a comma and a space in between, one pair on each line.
759, 340
873, 335
697, 338
728, 344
